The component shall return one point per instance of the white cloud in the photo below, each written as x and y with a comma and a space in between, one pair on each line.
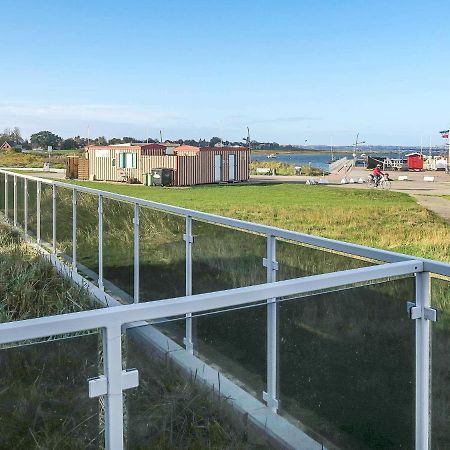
102, 113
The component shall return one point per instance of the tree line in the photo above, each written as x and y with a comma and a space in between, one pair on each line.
44, 139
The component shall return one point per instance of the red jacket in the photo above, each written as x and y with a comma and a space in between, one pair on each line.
377, 172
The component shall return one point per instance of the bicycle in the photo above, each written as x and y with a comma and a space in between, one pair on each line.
383, 183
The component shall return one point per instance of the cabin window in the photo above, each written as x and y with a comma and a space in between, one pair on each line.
128, 160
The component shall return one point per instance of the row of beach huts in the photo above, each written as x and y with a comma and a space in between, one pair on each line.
162, 164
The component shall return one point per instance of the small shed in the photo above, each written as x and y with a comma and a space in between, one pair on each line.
415, 161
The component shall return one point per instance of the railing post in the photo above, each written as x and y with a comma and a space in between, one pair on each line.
100, 242
54, 219
38, 212
112, 362
271, 395
136, 253
6, 197
25, 206
423, 290
15, 201
189, 240
74, 230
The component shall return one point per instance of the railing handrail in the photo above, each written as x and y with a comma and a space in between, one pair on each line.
120, 315
437, 267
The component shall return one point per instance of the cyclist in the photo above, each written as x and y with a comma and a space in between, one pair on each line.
377, 174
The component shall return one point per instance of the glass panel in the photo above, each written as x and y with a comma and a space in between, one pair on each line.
172, 408
32, 202
440, 368
162, 263
118, 247
2, 193
20, 200
46, 213
64, 220
347, 365
10, 197
297, 260
162, 255
235, 342
44, 395
225, 258
87, 235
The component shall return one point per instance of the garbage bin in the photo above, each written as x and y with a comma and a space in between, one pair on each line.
148, 179
162, 177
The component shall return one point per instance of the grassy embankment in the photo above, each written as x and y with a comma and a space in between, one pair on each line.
225, 258
43, 390
35, 159
387, 220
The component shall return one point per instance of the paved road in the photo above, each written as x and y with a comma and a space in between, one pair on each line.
439, 205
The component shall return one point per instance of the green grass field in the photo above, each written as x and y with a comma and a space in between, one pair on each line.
388, 220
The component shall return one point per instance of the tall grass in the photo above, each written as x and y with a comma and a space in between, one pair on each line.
18, 159
225, 258
43, 387
30, 286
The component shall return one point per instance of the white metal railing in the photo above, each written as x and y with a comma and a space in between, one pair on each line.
111, 320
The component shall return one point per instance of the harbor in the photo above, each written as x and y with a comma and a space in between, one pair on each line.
434, 160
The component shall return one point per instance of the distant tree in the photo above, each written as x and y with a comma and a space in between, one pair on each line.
192, 142
101, 140
114, 141
45, 138
69, 144
214, 140
127, 139
12, 136
16, 136
81, 142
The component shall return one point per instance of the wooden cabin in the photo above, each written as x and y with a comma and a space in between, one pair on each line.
190, 165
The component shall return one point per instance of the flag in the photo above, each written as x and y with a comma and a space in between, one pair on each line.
444, 134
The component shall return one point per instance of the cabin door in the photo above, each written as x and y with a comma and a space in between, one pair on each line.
217, 168
231, 167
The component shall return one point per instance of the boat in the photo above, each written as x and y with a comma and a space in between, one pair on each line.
272, 155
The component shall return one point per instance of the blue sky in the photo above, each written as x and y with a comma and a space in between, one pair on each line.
290, 70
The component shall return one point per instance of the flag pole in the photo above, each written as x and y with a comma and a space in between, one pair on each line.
448, 156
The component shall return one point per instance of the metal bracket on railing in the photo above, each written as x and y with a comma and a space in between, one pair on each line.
421, 312
270, 402
188, 239
99, 385
272, 265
